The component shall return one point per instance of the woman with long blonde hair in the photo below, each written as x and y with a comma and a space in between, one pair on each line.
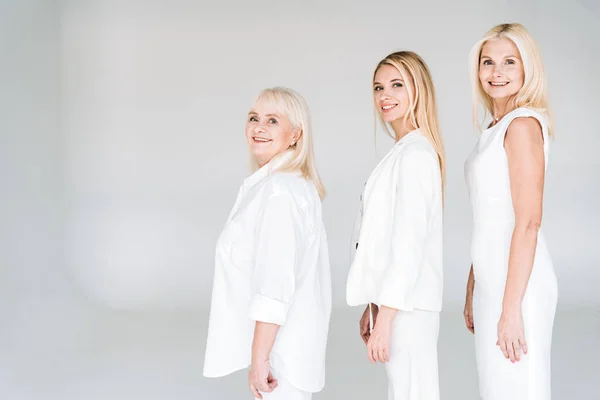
397, 266
512, 288
271, 298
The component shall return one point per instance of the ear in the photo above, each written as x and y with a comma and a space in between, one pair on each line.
296, 135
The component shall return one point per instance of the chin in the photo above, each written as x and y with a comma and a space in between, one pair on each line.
389, 118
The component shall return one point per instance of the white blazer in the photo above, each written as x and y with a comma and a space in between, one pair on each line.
397, 243
272, 265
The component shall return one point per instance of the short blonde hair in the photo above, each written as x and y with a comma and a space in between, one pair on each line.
534, 93
422, 111
291, 104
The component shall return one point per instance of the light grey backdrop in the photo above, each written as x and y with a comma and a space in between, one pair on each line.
154, 99
121, 150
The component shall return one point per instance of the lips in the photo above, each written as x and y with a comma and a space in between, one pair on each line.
498, 84
388, 107
259, 139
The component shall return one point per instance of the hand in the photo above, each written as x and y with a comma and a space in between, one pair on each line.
365, 322
378, 346
468, 312
511, 334
260, 377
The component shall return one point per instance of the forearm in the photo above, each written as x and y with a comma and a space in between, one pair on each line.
470, 282
264, 338
520, 265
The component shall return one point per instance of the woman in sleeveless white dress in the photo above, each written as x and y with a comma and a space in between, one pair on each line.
512, 288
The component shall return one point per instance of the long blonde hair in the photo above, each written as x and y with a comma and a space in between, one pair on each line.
289, 103
534, 93
422, 110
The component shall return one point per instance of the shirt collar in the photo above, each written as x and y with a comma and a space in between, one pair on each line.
266, 169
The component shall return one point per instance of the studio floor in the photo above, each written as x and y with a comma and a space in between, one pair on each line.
87, 353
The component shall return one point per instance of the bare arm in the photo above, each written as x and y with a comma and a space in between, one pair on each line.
264, 338
525, 152
260, 378
468, 311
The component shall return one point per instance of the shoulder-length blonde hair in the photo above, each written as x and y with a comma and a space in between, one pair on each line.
422, 111
534, 93
290, 104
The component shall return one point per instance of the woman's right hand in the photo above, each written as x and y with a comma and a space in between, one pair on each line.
365, 322
468, 312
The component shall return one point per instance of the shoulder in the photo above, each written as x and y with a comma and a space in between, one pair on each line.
527, 119
419, 153
526, 126
291, 186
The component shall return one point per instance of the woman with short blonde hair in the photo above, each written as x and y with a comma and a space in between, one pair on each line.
512, 288
271, 299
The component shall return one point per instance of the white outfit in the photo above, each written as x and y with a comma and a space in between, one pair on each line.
285, 390
487, 178
272, 265
412, 369
398, 259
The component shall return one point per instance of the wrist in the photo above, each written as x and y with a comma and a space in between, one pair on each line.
386, 314
510, 306
260, 357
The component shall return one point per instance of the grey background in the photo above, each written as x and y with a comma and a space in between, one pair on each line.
121, 128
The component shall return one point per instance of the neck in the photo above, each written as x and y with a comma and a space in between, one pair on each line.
401, 128
501, 107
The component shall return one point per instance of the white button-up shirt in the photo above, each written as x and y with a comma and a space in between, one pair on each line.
272, 265
397, 245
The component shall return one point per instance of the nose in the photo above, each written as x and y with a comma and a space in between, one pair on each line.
498, 69
385, 95
259, 128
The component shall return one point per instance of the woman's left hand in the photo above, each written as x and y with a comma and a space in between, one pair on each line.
378, 347
260, 378
511, 335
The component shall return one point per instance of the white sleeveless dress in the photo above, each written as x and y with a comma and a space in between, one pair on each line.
486, 172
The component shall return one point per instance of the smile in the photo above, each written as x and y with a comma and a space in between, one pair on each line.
388, 107
259, 139
498, 83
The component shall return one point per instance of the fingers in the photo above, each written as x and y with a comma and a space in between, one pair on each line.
364, 331
523, 344
371, 353
503, 348
469, 323
271, 381
365, 338
517, 350
382, 355
255, 392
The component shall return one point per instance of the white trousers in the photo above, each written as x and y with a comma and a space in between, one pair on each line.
285, 390
412, 370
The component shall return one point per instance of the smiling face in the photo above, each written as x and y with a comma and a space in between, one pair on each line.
269, 132
391, 93
501, 72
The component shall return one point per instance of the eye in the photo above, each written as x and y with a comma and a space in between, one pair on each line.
487, 62
378, 88
510, 62
397, 84
253, 119
272, 121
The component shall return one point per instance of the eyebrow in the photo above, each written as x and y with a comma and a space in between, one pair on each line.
393, 80
511, 56
252, 112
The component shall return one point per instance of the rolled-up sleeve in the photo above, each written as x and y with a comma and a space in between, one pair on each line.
411, 216
278, 240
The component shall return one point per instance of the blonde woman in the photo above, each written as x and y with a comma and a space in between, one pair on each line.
397, 265
271, 299
512, 288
